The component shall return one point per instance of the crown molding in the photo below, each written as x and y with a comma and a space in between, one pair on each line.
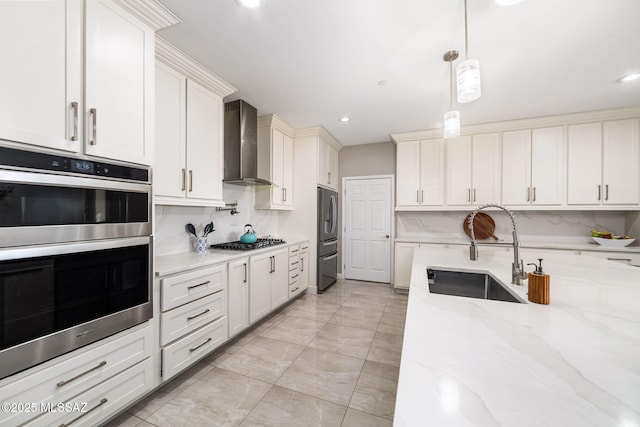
151, 12
175, 58
320, 132
521, 124
275, 121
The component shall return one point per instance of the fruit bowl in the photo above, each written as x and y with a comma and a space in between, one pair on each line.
613, 243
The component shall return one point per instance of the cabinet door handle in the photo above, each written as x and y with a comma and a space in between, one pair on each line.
184, 179
468, 194
190, 180
534, 194
98, 366
328, 177
606, 192
198, 285
94, 126
198, 346
198, 315
301, 264
245, 273
599, 191
528, 194
417, 196
102, 402
422, 196
74, 107
474, 194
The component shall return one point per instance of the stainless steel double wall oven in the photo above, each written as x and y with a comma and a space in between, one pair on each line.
75, 254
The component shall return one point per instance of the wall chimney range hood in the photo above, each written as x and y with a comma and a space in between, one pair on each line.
241, 144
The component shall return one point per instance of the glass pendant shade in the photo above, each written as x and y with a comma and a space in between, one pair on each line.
452, 124
468, 81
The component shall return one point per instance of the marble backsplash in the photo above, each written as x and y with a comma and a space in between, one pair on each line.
548, 226
170, 221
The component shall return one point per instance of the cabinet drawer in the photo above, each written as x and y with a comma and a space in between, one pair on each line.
178, 356
294, 250
186, 287
623, 257
65, 379
187, 318
294, 262
294, 275
99, 403
294, 289
304, 247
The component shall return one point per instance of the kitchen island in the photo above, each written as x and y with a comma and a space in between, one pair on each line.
473, 362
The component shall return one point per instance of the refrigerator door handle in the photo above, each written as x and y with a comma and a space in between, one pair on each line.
334, 213
329, 257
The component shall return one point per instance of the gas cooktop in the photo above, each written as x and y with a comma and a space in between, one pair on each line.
239, 246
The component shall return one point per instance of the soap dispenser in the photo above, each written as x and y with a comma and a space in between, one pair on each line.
539, 285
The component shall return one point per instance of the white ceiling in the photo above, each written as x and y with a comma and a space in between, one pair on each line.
311, 62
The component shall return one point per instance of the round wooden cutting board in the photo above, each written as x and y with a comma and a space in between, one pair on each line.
483, 226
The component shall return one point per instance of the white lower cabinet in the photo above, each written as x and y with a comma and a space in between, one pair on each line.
304, 266
402, 265
294, 270
183, 353
83, 376
193, 321
238, 314
269, 282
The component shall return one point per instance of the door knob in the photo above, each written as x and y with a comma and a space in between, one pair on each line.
386, 236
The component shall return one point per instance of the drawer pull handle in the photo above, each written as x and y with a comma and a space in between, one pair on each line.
102, 402
294, 290
74, 107
620, 259
204, 343
295, 262
100, 365
198, 315
198, 285
295, 277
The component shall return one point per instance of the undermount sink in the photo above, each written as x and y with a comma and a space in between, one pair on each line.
472, 285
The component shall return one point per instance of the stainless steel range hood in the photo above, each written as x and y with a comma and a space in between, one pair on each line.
241, 144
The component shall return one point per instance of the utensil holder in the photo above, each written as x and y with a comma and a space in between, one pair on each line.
539, 288
201, 245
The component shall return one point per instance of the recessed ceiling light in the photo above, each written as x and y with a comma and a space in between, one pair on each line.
249, 4
507, 2
344, 119
629, 77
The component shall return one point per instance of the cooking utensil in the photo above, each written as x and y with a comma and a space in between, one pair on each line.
249, 235
207, 229
191, 229
483, 226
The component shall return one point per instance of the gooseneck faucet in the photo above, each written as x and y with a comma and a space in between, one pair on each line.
517, 267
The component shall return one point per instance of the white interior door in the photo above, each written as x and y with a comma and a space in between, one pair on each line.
367, 230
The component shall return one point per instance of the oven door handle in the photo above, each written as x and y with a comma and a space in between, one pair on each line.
53, 180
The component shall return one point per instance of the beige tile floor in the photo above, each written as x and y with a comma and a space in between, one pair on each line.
323, 360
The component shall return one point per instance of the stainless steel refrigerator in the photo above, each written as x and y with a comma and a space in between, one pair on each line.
327, 238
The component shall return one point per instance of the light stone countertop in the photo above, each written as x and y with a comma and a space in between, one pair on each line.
472, 362
177, 263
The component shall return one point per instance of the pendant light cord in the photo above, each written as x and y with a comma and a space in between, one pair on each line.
450, 85
466, 38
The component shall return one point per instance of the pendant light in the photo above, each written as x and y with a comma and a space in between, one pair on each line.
468, 71
451, 117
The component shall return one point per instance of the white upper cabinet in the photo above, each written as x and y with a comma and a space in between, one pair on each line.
604, 163
473, 169
532, 167
275, 163
621, 162
119, 58
420, 173
41, 76
188, 160
327, 165
43, 102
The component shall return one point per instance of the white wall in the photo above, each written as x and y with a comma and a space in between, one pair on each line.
170, 221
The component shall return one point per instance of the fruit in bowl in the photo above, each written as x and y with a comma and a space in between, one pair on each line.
606, 238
